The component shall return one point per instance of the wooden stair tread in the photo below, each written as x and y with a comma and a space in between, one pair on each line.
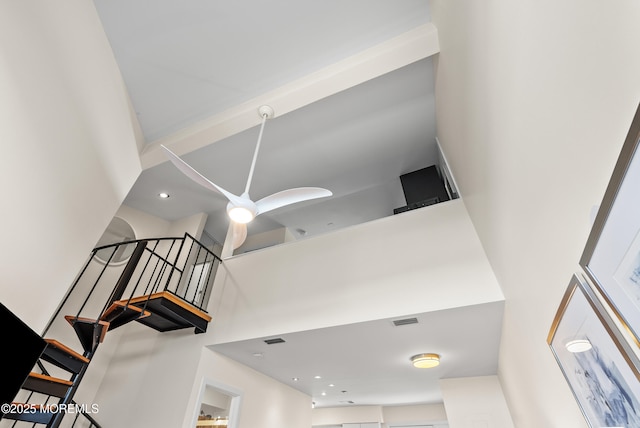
47, 385
73, 319
123, 304
64, 357
174, 299
121, 313
80, 324
54, 343
50, 379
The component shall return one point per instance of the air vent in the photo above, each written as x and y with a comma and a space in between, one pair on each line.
346, 402
272, 341
405, 321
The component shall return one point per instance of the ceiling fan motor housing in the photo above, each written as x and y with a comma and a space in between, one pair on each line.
242, 211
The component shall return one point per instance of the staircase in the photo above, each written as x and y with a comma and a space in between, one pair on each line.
164, 284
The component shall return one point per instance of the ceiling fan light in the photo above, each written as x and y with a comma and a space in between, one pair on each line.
241, 214
425, 361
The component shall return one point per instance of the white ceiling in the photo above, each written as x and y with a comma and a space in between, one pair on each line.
354, 109
184, 61
356, 143
187, 62
368, 363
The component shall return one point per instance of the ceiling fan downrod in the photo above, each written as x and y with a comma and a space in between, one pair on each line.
266, 112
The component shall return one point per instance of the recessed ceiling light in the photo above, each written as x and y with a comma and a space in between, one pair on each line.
163, 195
425, 361
317, 377
258, 354
324, 393
295, 379
331, 385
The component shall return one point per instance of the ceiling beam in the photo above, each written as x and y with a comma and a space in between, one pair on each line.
388, 56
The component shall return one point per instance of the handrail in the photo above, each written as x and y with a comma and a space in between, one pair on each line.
135, 241
163, 265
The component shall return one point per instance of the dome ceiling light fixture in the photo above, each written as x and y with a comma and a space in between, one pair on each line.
578, 345
425, 361
241, 208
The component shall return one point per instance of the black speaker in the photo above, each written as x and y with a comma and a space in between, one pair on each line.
421, 188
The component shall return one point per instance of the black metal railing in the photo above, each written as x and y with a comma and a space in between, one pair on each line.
123, 271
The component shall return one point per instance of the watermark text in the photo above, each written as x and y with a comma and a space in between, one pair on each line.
26, 408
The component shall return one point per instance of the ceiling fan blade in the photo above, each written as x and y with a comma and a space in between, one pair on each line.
290, 196
239, 234
187, 170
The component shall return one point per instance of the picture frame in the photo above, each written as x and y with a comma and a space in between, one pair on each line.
604, 376
611, 258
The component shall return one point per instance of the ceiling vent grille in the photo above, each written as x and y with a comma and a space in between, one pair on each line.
346, 402
273, 341
405, 321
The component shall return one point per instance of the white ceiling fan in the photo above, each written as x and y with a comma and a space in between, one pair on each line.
241, 208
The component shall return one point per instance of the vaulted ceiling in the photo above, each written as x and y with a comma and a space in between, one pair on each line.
351, 85
352, 88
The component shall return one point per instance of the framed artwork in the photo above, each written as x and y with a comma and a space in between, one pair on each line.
611, 258
597, 362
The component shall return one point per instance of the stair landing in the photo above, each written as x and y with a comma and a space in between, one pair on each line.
169, 312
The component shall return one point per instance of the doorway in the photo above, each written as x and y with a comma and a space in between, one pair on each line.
218, 406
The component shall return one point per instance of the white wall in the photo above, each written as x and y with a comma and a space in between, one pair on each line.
193, 225
475, 402
147, 378
143, 224
420, 414
408, 415
265, 239
69, 153
534, 100
397, 256
346, 415
264, 402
